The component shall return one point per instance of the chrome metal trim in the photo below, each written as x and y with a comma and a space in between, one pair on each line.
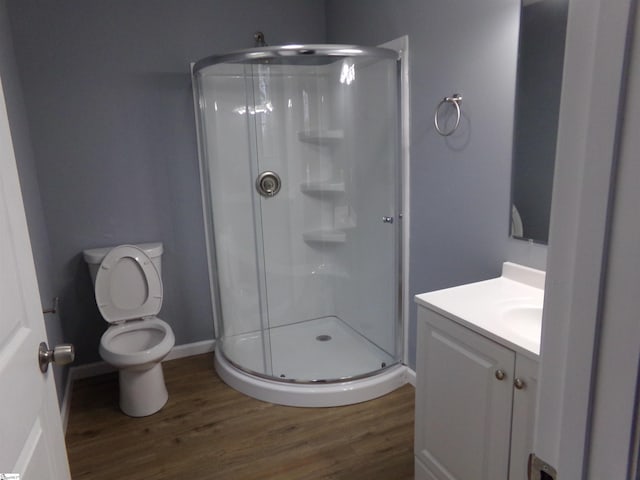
251, 55
274, 378
268, 184
399, 330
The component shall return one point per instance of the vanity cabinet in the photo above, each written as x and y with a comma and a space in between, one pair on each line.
475, 404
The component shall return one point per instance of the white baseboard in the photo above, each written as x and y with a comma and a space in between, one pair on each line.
191, 349
410, 375
100, 368
89, 370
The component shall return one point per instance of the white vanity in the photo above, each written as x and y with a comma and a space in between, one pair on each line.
477, 363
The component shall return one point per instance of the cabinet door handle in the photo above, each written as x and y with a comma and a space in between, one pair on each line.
500, 375
519, 383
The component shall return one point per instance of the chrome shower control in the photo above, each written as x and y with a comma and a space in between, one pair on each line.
268, 184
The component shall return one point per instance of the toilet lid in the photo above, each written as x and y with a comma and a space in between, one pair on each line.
128, 285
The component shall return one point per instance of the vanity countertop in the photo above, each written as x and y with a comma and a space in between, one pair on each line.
507, 309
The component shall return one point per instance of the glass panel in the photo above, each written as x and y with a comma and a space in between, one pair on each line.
330, 134
367, 298
225, 132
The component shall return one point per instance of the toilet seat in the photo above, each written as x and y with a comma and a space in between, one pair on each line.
119, 348
128, 285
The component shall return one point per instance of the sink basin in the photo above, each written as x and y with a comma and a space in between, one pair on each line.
523, 320
507, 309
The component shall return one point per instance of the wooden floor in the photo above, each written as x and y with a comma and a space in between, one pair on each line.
209, 431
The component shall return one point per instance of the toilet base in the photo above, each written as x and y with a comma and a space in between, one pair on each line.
142, 393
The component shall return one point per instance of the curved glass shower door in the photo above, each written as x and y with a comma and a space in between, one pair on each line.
300, 164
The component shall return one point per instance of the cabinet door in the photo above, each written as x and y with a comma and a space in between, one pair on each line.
463, 412
522, 425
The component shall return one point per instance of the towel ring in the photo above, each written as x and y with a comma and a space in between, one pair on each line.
456, 100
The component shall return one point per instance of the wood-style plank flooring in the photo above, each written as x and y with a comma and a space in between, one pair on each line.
209, 431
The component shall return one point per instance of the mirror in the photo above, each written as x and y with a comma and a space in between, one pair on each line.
537, 104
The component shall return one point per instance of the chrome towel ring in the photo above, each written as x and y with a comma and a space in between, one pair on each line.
455, 100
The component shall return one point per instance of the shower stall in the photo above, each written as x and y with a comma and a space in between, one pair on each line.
301, 186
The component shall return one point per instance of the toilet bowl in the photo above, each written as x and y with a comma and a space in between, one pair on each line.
128, 291
136, 344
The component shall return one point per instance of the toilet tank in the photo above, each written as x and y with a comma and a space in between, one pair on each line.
94, 256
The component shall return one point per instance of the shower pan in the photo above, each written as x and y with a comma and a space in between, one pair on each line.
301, 183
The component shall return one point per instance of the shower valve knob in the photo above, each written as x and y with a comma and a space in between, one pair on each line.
268, 184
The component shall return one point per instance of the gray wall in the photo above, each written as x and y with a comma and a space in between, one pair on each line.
109, 106
29, 185
460, 185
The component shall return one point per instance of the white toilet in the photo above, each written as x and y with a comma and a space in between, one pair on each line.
128, 289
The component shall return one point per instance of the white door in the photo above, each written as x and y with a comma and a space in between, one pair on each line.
31, 438
583, 334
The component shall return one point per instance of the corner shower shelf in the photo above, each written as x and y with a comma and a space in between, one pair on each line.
325, 236
321, 188
328, 270
320, 137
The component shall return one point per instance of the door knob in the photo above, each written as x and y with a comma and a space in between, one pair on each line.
60, 355
519, 383
500, 375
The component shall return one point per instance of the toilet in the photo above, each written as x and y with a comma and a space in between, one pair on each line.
128, 291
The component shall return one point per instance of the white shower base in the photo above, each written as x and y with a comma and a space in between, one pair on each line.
297, 355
